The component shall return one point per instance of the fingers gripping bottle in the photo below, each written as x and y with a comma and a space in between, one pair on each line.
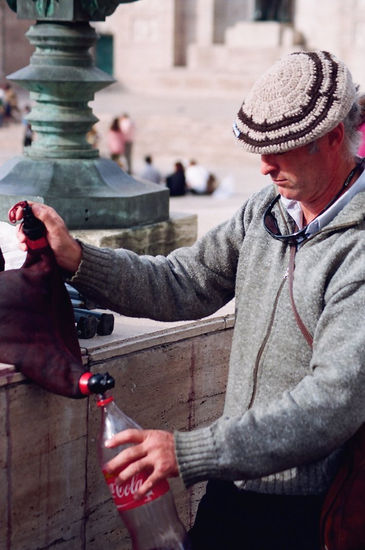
152, 521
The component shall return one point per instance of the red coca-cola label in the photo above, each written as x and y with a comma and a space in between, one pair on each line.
124, 495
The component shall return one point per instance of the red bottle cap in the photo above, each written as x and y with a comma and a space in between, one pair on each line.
103, 402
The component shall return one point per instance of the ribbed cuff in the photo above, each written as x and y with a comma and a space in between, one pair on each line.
94, 267
196, 455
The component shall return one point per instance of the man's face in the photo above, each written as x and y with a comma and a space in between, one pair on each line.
301, 174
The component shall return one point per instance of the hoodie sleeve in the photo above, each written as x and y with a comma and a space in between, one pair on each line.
189, 283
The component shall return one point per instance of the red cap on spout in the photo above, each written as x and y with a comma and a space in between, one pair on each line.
95, 383
84, 383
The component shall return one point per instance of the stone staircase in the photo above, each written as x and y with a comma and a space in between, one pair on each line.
225, 69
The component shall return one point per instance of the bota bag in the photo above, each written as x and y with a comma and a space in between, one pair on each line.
37, 325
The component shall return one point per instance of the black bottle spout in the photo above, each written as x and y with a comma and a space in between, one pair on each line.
96, 383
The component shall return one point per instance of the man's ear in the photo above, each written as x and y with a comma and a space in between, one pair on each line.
337, 135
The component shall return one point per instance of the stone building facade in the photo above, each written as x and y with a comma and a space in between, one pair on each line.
185, 42
204, 43
14, 46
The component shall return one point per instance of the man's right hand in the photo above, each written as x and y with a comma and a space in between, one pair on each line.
66, 249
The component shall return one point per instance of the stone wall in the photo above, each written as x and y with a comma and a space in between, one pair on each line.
154, 39
200, 35
52, 493
15, 49
143, 38
335, 26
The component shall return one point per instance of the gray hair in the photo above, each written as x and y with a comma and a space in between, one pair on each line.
351, 123
353, 137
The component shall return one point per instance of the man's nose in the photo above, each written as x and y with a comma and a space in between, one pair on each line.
268, 164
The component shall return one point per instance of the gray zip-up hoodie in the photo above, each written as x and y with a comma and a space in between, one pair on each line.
288, 408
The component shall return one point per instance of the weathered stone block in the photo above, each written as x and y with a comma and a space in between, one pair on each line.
158, 238
45, 445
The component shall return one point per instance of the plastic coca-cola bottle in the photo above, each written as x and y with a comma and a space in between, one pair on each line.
152, 521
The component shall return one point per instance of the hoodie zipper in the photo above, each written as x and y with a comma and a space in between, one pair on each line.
266, 337
268, 331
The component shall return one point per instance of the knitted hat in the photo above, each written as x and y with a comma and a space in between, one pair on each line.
301, 98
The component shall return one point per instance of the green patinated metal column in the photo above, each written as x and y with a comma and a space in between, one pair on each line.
61, 168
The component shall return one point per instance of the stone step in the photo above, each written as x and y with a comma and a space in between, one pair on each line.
215, 71
190, 81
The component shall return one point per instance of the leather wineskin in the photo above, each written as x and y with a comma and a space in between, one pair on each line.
37, 328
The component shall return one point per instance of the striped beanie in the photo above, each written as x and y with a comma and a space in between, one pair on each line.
301, 98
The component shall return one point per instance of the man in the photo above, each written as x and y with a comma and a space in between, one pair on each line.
289, 407
199, 180
128, 128
150, 172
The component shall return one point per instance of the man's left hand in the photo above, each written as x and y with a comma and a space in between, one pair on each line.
151, 451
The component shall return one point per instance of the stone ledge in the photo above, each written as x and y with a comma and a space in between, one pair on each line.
157, 334
157, 238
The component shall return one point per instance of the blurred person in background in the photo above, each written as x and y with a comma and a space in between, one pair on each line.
92, 137
361, 150
149, 171
128, 128
116, 141
11, 109
28, 132
176, 180
199, 180
2, 107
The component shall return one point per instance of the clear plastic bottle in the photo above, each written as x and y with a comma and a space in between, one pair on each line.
152, 522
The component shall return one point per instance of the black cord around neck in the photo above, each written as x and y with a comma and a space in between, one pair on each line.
359, 167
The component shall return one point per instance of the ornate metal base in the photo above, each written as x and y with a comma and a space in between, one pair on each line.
61, 168
87, 193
